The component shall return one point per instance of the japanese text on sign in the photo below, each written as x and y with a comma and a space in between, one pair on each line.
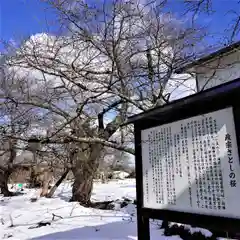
192, 165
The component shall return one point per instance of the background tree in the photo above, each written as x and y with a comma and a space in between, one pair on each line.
115, 60
209, 8
14, 122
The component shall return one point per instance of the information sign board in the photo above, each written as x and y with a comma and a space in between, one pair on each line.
192, 165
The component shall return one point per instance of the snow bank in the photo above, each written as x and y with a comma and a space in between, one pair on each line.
120, 175
56, 218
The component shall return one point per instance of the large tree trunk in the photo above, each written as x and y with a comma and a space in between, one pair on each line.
5, 172
33, 178
83, 184
45, 178
54, 188
44, 190
4, 176
84, 173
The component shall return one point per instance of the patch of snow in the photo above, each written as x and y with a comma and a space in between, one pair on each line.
69, 220
120, 175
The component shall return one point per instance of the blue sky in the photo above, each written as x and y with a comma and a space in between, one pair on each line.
22, 18
217, 22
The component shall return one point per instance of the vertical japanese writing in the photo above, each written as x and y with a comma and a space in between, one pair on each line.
171, 196
160, 186
150, 162
187, 166
177, 154
232, 175
218, 194
184, 141
154, 162
170, 168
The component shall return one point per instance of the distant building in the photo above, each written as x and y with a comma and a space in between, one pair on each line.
217, 68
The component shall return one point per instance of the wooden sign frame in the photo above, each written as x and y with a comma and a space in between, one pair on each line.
217, 98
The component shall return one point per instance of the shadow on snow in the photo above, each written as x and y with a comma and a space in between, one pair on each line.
114, 230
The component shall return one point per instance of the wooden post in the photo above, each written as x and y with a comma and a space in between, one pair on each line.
142, 222
143, 228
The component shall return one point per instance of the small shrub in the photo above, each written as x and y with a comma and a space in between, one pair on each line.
184, 233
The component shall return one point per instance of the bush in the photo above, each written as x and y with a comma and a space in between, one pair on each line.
184, 233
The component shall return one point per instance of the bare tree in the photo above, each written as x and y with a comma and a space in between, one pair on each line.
208, 7
12, 124
116, 59
18, 121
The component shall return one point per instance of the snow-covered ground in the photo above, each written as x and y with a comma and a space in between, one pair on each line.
19, 216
